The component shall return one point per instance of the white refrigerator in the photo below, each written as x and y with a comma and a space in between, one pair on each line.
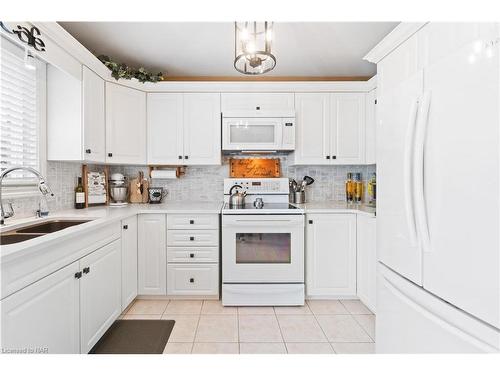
438, 287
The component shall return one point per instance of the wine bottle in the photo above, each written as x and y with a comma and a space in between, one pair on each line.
79, 195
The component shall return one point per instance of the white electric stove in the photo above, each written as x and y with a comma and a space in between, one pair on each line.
262, 246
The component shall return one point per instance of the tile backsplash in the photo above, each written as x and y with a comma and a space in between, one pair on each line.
199, 182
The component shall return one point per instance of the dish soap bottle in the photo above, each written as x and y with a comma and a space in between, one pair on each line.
358, 188
349, 188
79, 195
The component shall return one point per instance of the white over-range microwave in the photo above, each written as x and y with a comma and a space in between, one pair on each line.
266, 131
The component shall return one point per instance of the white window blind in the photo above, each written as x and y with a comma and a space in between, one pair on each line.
19, 114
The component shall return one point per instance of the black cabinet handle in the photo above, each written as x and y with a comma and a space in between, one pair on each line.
191, 255
334, 157
180, 156
78, 275
257, 108
125, 226
191, 280
110, 154
328, 156
191, 221
191, 238
88, 151
186, 157
86, 270
310, 221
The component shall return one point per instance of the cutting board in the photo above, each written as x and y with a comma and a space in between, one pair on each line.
135, 190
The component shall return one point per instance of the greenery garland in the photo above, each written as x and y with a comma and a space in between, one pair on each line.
123, 71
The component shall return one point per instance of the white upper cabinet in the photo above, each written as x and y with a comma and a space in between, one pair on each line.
254, 101
347, 135
330, 128
313, 128
184, 128
165, 128
371, 127
125, 125
94, 132
202, 129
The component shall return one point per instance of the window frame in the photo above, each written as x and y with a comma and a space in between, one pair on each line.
24, 188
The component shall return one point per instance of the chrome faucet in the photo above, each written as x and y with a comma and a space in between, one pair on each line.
42, 186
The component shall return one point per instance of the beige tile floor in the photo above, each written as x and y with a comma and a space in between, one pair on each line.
206, 327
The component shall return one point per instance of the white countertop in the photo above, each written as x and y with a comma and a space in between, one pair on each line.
100, 215
336, 207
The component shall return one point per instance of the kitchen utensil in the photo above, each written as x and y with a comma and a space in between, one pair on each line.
293, 185
237, 199
258, 203
156, 194
303, 185
300, 197
309, 180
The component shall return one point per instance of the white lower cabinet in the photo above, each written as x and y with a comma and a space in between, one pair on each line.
129, 261
193, 255
367, 260
100, 293
44, 316
152, 254
330, 255
193, 279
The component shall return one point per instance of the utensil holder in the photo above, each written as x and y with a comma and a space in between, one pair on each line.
300, 197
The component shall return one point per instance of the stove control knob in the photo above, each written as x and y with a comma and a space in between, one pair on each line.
258, 203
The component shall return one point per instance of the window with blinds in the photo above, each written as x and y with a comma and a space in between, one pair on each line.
20, 117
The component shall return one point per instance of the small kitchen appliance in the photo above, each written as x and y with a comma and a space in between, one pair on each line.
156, 194
262, 245
118, 190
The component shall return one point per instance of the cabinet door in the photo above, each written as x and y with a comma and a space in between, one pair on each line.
257, 101
202, 129
312, 128
331, 255
165, 128
366, 260
129, 261
45, 315
94, 132
100, 293
347, 128
125, 125
152, 254
371, 127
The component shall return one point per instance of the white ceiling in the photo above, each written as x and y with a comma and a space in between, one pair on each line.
207, 48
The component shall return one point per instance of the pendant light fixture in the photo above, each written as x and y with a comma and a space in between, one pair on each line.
252, 47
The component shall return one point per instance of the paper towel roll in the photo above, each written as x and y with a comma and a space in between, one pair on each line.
164, 173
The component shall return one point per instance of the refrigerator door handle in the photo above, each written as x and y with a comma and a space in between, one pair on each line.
408, 169
419, 170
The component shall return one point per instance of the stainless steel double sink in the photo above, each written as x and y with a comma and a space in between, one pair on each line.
31, 231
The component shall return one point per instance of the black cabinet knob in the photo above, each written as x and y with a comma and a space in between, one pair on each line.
186, 157
180, 156
78, 275
191, 255
310, 221
334, 157
257, 108
328, 156
86, 270
191, 221
88, 151
191, 238
125, 226
110, 154
191, 280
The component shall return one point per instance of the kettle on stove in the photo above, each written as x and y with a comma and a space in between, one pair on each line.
237, 199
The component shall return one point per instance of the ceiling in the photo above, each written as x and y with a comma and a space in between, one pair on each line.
306, 49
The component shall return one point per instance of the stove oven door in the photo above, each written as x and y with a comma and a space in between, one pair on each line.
263, 248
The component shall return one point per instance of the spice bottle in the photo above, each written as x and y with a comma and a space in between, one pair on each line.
349, 188
358, 194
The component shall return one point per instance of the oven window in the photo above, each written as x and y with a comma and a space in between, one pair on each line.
251, 134
263, 248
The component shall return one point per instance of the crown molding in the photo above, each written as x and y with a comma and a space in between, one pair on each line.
397, 36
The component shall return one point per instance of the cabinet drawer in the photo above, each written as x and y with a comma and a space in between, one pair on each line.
193, 238
196, 279
192, 254
192, 221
